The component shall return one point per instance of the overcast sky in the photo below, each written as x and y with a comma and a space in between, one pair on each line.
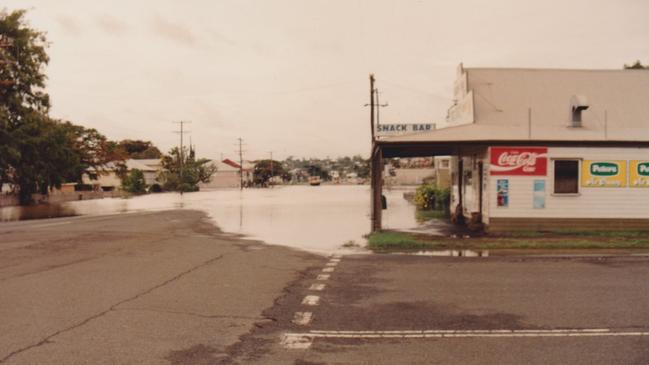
292, 76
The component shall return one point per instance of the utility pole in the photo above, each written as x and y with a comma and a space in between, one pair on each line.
378, 108
240, 164
372, 105
271, 164
182, 152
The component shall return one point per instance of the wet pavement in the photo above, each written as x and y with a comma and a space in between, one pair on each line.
389, 309
317, 219
140, 288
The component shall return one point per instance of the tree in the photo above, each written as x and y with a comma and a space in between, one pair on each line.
23, 56
185, 176
93, 149
44, 156
636, 66
22, 60
138, 149
265, 169
134, 182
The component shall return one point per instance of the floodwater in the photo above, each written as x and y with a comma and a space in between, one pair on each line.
314, 218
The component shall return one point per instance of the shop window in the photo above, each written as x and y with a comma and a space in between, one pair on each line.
566, 176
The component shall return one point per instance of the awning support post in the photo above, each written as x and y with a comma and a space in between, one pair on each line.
376, 171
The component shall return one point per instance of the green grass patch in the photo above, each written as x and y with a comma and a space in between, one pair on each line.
396, 241
426, 215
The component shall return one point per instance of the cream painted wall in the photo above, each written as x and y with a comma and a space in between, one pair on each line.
600, 202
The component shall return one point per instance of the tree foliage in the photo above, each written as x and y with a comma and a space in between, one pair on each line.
265, 169
134, 182
636, 66
431, 197
138, 149
37, 153
185, 176
23, 59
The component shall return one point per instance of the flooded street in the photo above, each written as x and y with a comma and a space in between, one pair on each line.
317, 219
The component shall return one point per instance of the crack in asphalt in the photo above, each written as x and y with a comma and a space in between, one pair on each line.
207, 316
111, 308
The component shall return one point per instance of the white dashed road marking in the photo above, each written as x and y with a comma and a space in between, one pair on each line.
311, 300
323, 277
334, 260
296, 342
317, 287
328, 269
302, 318
331, 264
307, 338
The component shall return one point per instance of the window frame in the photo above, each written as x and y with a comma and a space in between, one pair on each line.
554, 174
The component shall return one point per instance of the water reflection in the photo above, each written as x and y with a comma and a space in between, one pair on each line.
452, 253
318, 219
36, 212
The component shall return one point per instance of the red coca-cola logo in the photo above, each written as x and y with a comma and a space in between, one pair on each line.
519, 161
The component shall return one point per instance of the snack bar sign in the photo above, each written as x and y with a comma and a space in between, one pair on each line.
607, 174
526, 161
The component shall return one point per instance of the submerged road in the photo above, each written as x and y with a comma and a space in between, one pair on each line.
169, 288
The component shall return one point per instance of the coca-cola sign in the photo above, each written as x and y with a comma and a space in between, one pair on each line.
529, 161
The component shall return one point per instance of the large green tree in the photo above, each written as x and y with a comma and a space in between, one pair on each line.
36, 152
22, 59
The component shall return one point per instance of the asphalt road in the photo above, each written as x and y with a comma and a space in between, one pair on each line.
169, 288
503, 310
141, 288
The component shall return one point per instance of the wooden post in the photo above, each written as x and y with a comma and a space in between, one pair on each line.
376, 170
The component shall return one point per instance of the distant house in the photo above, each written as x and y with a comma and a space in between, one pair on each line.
227, 175
102, 179
107, 179
149, 167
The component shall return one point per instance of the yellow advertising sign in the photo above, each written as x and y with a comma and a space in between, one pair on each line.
603, 174
639, 174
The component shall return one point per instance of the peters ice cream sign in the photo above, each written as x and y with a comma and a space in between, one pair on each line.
526, 161
639, 174
605, 174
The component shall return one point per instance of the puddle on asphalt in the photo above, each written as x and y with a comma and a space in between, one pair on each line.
318, 219
452, 253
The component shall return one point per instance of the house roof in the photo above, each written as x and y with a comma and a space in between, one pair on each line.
535, 105
141, 165
247, 165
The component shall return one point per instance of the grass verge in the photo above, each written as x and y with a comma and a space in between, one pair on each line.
395, 241
426, 215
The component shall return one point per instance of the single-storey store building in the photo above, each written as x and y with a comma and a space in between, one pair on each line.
543, 148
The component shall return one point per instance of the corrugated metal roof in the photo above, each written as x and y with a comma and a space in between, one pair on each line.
535, 105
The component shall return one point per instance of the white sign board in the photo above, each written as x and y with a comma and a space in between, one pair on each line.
403, 128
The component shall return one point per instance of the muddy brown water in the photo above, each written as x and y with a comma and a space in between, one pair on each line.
314, 218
